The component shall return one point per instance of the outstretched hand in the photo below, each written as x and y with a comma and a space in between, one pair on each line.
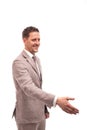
63, 103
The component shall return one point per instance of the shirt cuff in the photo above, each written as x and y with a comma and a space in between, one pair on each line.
54, 101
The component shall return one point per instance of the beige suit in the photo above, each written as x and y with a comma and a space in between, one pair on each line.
30, 98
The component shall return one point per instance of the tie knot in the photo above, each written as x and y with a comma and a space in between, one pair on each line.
34, 58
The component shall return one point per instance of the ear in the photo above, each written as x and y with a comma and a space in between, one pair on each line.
24, 40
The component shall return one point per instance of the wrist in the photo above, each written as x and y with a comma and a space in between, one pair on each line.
55, 101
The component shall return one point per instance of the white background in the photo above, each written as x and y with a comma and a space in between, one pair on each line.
63, 54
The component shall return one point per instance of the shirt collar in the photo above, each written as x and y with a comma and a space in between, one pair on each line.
29, 54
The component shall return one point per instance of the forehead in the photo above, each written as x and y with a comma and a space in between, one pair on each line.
34, 35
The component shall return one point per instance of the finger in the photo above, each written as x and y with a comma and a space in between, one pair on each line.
72, 109
67, 110
69, 98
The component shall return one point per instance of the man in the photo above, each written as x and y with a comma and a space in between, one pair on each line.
31, 106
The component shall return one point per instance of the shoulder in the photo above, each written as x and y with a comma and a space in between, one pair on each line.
19, 60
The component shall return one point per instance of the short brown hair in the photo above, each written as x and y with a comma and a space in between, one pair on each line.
28, 30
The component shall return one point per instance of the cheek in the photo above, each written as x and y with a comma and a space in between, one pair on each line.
31, 46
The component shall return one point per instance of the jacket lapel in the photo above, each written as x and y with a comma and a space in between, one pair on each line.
31, 62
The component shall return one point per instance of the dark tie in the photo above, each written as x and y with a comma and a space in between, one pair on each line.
34, 58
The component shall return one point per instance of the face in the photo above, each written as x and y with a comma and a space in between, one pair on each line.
32, 43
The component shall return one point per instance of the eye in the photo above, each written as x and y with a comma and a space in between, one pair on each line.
33, 40
39, 39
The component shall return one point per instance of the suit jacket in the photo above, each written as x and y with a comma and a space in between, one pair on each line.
30, 99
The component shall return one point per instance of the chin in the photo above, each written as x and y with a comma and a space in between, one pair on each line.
35, 51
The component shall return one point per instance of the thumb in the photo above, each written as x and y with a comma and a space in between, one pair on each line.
70, 98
